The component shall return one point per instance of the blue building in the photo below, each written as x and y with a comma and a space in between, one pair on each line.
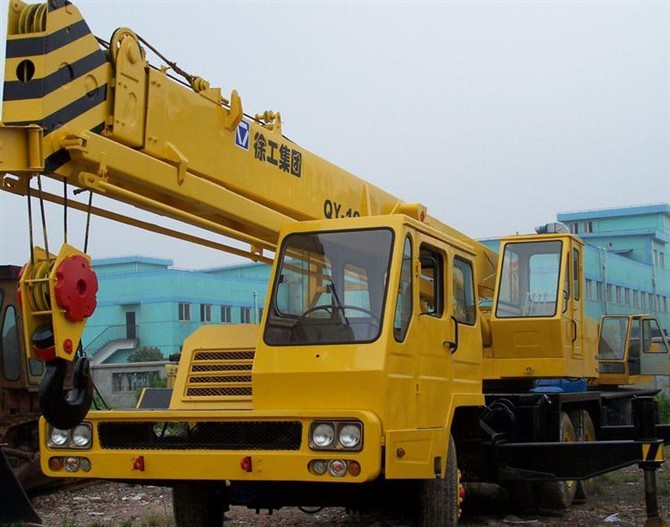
626, 260
145, 302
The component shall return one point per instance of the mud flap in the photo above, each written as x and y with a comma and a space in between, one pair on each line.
60, 411
15, 507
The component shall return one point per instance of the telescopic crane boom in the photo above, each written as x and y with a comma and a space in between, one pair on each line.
377, 374
111, 123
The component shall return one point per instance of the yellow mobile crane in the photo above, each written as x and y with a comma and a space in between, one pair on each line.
373, 372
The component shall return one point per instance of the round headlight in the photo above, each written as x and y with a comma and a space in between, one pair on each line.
337, 467
59, 437
81, 435
85, 464
350, 436
319, 466
71, 464
323, 435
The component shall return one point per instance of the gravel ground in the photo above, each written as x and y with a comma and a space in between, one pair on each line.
618, 501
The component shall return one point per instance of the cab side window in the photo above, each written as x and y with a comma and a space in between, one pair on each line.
10, 345
431, 282
403, 306
634, 348
575, 274
464, 292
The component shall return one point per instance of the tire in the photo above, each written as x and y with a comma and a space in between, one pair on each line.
561, 494
196, 504
585, 431
439, 503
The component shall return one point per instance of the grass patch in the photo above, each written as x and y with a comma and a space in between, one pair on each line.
157, 521
663, 404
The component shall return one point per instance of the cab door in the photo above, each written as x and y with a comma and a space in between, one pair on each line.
431, 329
467, 336
655, 351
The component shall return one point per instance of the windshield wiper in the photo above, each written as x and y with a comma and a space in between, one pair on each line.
339, 304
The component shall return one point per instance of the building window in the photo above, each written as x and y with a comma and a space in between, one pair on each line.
588, 226
589, 289
245, 315
636, 299
643, 300
665, 304
574, 228
184, 311
609, 292
226, 314
205, 312
659, 259
618, 294
132, 381
600, 291
627, 297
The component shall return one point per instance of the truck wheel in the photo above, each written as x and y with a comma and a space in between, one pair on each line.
196, 504
439, 498
585, 432
561, 494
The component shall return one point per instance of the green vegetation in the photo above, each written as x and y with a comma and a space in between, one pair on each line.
146, 354
663, 402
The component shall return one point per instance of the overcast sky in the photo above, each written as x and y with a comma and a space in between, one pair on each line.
496, 115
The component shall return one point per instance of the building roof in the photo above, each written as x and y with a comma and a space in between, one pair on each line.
121, 260
659, 208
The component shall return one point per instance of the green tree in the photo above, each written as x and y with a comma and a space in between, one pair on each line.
146, 354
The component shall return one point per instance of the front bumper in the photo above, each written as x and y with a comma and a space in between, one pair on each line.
194, 445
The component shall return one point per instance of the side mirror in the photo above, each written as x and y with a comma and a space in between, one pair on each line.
453, 344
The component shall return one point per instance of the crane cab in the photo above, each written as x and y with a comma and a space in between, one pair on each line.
538, 325
377, 313
631, 348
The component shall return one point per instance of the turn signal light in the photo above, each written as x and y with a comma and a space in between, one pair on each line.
55, 463
354, 468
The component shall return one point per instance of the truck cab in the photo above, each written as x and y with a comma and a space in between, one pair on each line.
538, 324
631, 349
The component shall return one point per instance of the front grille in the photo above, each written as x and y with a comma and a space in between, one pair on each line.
236, 435
220, 375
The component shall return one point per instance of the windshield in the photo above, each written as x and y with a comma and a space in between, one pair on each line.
613, 338
529, 280
330, 288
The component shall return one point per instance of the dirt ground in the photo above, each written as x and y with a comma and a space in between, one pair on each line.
618, 501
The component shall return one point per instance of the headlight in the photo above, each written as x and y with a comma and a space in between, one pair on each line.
323, 435
59, 437
81, 436
336, 435
350, 436
78, 437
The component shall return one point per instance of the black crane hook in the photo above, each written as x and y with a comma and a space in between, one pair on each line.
63, 411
